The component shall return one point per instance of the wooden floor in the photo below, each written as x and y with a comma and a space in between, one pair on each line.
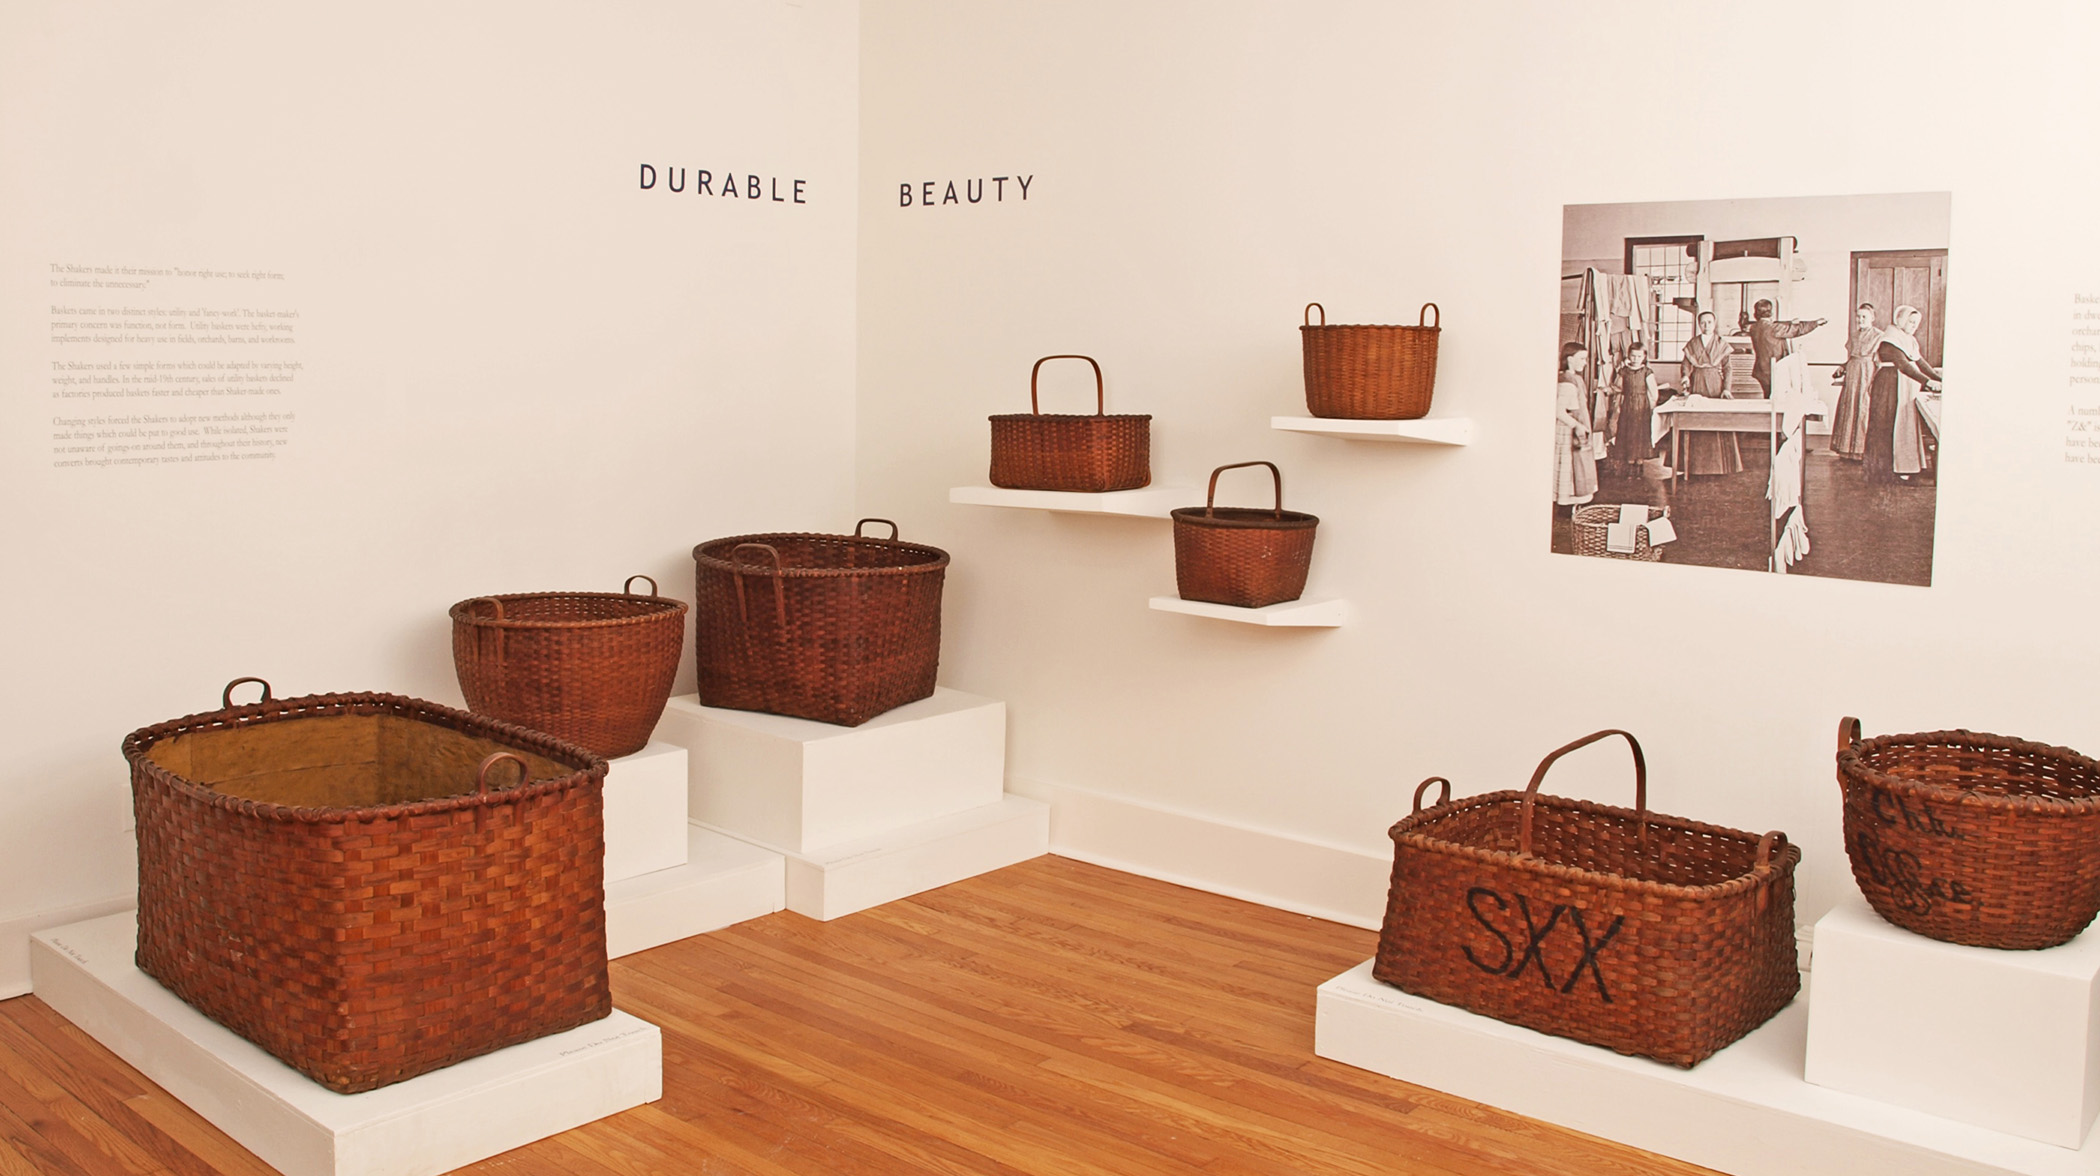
1052, 1017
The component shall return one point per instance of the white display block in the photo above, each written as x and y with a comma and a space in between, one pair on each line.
1290, 614
645, 812
429, 1124
1425, 431
1151, 502
804, 787
1745, 1111
722, 881
2002, 1039
898, 863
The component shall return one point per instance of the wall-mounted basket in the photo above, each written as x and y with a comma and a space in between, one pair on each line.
1242, 556
1370, 372
1094, 454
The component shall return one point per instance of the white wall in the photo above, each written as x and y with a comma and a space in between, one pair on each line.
1202, 170
522, 372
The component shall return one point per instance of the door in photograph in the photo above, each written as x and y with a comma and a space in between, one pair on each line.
1916, 277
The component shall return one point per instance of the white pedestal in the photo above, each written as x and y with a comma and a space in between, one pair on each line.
645, 812
804, 787
1745, 1111
721, 881
902, 862
434, 1123
2002, 1039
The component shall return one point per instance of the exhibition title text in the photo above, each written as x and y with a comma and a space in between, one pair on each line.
727, 185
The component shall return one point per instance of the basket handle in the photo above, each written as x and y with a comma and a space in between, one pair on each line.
226, 695
1531, 790
779, 594
1767, 845
1848, 734
1210, 501
894, 532
481, 774
1100, 395
627, 589
1424, 787
1313, 306
1422, 319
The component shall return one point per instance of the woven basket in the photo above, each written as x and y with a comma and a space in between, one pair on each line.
1973, 838
1371, 373
591, 668
1592, 523
836, 628
342, 880
1046, 451
1649, 935
1239, 556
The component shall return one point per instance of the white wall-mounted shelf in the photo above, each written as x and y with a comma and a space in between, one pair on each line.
1152, 502
1426, 431
1291, 614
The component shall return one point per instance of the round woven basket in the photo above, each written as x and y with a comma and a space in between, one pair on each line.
1973, 838
1370, 372
1242, 556
836, 628
590, 668
1591, 531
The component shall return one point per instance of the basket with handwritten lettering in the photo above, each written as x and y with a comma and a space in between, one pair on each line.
1593, 533
1038, 450
1972, 838
1650, 935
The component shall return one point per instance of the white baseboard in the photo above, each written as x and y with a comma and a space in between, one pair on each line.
15, 933
1329, 882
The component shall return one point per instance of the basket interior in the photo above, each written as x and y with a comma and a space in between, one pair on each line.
2022, 770
1585, 839
823, 553
340, 761
567, 607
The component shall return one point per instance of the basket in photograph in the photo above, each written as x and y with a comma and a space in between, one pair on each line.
1592, 528
591, 668
1650, 935
836, 628
1036, 450
1972, 838
367, 886
1242, 556
1370, 372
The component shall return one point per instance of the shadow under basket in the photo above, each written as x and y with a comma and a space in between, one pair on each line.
370, 887
591, 668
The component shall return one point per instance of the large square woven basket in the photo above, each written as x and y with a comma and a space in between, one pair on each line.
1649, 935
836, 628
1973, 838
1058, 451
370, 887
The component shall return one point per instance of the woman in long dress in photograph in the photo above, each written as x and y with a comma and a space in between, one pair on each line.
1574, 469
1895, 442
1848, 422
1633, 440
1704, 372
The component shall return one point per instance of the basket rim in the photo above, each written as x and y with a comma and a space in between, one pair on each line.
704, 558
665, 607
1853, 770
1408, 831
1070, 416
590, 767
1593, 508
1245, 518
1369, 327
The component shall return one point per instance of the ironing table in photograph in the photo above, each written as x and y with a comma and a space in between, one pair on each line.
1696, 414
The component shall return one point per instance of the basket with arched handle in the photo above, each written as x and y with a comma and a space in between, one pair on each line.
836, 628
1036, 450
1647, 934
1242, 556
